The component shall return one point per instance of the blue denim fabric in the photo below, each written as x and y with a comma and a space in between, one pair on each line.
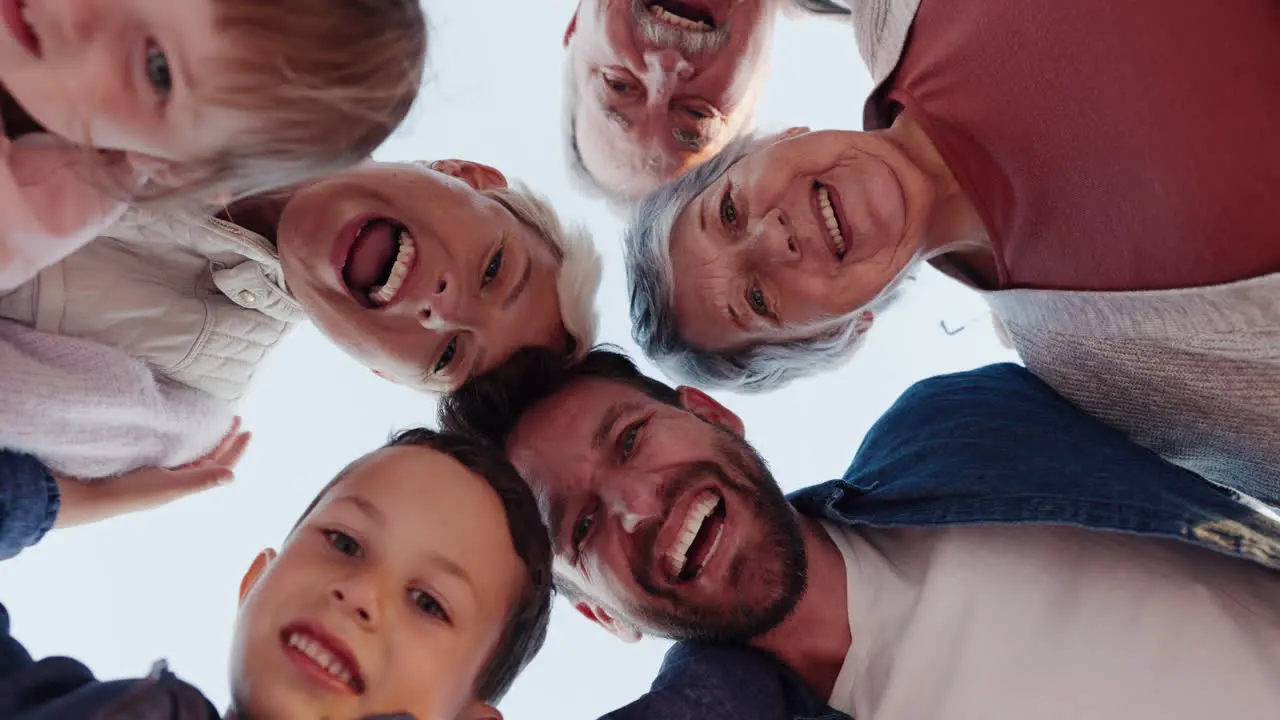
995, 445
29, 502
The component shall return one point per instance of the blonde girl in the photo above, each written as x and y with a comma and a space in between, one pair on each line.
107, 103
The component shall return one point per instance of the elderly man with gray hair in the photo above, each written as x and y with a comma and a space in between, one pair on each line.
1132, 262
656, 87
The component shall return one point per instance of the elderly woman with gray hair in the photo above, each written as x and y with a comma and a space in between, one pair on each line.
1129, 250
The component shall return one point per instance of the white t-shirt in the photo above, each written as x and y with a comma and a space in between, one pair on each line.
1042, 623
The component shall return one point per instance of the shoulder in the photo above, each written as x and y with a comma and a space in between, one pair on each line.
968, 406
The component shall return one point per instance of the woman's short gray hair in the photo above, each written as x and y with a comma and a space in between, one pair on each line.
580, 264
650, 276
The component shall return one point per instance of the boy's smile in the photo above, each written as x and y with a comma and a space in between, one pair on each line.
322, 656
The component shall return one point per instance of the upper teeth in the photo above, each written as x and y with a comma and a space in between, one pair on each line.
667, 16
829, 216
387, 292
313, 649
698, 514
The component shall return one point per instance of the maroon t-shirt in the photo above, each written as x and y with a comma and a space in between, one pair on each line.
1107, 144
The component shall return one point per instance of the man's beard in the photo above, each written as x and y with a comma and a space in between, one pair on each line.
661, 34
777, 565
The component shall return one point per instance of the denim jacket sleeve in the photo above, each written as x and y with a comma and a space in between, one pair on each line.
702, 682
29, 502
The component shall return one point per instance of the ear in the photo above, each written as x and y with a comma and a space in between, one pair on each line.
623, 631
259, 566
478, 176
706, 407
573, 25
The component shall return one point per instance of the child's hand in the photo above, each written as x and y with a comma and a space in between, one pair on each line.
85, 503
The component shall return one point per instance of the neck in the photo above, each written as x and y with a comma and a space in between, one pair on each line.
259, 213
954, 225
815, 638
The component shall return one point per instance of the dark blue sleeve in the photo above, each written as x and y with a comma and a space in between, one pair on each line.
29, 502
700, 681
13, 656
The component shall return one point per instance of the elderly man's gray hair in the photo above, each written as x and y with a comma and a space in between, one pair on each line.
650, 277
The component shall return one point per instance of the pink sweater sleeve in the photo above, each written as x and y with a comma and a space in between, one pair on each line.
48, 209
90, 410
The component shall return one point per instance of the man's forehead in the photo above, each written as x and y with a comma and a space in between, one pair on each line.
571, 413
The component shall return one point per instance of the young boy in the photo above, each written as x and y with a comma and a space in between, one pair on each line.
417, 583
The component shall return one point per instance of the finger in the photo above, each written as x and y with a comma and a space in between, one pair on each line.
231, 455
228, 438
151, 489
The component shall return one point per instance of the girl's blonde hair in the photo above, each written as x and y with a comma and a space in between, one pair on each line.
327, 81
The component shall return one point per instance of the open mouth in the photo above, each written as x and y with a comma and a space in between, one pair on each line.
378, 262
683, 15
325, 658
699, 537
829, 215
18, 17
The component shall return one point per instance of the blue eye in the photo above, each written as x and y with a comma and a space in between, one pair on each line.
344, 543
157, 67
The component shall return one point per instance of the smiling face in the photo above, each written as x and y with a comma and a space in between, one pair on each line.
390, 596
118, 74
663, 85
802, 232
661, 517
419, 275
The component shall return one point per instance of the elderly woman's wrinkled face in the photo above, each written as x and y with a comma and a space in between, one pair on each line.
804, 231
419, 275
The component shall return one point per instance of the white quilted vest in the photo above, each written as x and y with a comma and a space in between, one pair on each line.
200, 300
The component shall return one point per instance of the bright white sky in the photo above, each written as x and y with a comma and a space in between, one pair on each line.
164, 584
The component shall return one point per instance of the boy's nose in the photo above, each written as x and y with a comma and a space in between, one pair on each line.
356, 602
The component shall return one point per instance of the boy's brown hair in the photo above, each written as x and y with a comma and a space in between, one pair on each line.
327, 81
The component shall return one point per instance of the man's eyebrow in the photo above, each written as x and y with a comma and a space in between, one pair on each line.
608, 420
555, 518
